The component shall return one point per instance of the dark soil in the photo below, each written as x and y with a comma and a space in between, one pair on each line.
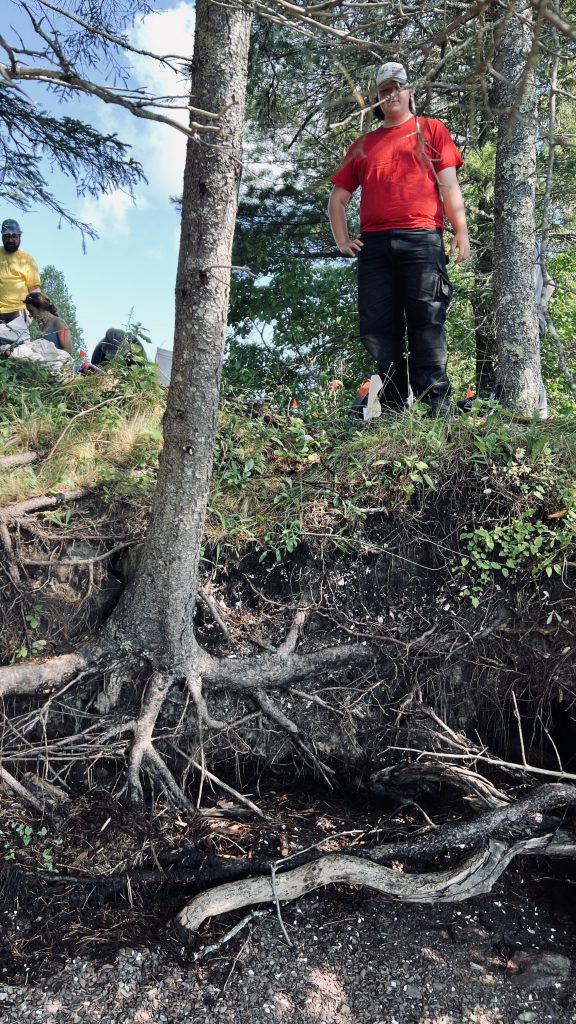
355, 958
73, 954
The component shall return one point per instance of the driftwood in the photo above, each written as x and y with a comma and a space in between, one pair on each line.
474, 876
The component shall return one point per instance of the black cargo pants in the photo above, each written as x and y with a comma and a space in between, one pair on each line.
403, 288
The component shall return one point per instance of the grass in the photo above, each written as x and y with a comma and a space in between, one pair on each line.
83, 429
320, 478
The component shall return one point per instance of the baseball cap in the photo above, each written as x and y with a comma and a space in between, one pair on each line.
391, 72
11, 227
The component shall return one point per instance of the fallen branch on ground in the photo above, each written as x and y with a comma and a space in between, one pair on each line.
43, 502
475, 876
20, 459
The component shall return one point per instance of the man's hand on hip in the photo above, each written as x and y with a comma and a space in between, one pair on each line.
351, 248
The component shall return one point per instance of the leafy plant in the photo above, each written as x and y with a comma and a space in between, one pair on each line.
30, 838
506, 548
32, 617
62, 518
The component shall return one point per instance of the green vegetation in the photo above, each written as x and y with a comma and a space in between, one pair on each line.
85, 428
503, 490
34, 840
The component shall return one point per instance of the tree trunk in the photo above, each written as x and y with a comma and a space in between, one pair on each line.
158, 608
518, 346
482, 305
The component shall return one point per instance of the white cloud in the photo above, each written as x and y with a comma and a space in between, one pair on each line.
160, 149
109, 213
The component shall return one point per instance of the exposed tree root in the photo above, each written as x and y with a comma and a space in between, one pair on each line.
13, 513
253, 677
152, 701
480, 792
171, 787
522, 817
492, 841
42, 503
473, 877
6, 541
278, 671
229, 789
37, 675
214, 611
194, 685
25, 795
20, 459
92, 560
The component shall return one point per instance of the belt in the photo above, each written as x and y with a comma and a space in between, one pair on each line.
7, 318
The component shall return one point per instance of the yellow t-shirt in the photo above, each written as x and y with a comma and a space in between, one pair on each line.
18, 274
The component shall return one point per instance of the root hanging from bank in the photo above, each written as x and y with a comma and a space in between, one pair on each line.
203, 675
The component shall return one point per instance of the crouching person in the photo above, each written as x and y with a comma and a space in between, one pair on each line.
118, 343
54, 328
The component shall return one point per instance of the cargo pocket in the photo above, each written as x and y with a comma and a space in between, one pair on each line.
444, 287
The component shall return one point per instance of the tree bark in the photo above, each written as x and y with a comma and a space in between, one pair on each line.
482, 302
158, 607
518, 375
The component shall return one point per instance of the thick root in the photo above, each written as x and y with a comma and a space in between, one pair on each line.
35, 676
475, 876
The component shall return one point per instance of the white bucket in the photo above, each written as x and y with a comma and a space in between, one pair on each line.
164, 363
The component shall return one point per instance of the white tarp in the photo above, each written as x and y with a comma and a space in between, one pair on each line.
42, 351
14, 332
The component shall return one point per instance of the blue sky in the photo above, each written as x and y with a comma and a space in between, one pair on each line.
130, 270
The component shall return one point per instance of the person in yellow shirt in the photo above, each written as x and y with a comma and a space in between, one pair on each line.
18, 273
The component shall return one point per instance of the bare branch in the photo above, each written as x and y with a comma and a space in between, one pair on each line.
566, 28
116, 40
21, 459
138, 108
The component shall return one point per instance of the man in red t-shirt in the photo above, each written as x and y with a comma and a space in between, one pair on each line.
406, 170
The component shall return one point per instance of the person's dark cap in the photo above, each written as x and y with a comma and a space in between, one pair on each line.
11, 227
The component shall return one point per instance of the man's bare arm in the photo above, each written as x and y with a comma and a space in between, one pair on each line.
339, 199
454, 207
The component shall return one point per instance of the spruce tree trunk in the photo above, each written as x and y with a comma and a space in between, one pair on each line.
518, 373
483, 304
158, 607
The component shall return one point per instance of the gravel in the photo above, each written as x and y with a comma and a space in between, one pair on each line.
355, 958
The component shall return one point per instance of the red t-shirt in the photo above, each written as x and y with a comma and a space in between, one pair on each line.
395, 168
